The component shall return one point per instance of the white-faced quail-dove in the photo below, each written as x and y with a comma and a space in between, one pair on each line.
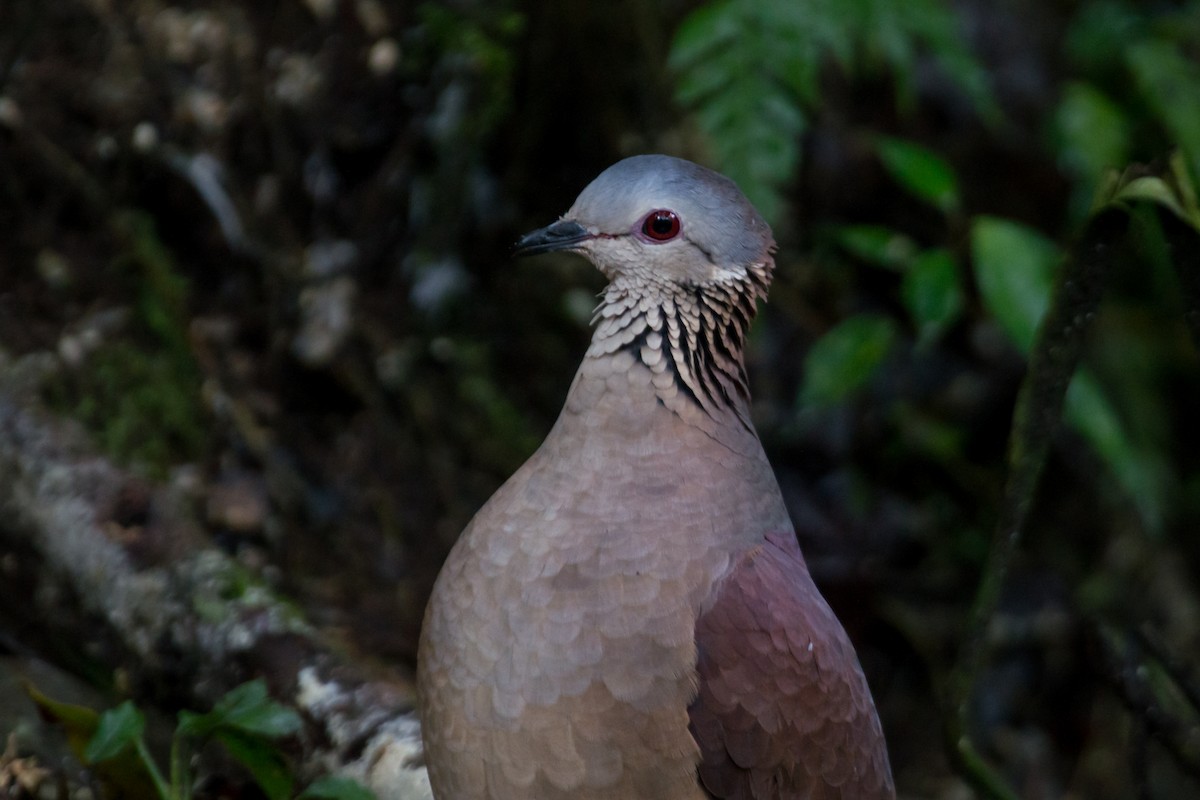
629, 616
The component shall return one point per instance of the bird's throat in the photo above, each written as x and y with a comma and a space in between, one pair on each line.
690, 338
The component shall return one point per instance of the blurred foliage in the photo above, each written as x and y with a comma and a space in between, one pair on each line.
733, 67
752, 73
246, 722
959, 263
1136, 80
474, 55
845, 357
121, 769
1014, 269
933, 293
335, 787
929, 169
921, 172
140, 393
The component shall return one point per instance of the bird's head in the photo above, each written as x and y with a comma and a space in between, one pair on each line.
656, 219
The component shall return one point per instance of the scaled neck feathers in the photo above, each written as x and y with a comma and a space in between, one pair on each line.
691, 337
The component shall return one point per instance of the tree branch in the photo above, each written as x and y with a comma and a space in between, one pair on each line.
120, 565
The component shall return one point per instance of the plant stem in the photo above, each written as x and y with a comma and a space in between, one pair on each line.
164, 790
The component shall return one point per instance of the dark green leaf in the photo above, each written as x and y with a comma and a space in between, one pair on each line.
335, 787
845, 358
125, 772
119, 728
78, 722
246, 708
750, 71
1171, 82
708, 27
1141, 471
932, 292
263, 761
1100, 31
920, 171
748, 97
1093, 131
1014, 268
193, 724
878, 245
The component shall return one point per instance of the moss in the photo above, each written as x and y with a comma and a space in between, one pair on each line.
139, 392
226, 593
142, 404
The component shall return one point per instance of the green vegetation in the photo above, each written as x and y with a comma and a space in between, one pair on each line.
976, 377
1125, 135
752, 73
139, 393
246, 722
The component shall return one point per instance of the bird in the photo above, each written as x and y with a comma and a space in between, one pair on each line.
630, 615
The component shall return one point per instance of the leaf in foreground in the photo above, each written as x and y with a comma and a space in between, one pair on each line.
337, 787
246, 708
119, 728
264, 762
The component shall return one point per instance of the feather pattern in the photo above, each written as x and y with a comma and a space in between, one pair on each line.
783, 710
629, 615
693, 333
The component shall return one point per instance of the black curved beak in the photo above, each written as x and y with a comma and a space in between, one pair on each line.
561, 235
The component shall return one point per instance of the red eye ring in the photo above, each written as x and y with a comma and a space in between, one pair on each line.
661, 225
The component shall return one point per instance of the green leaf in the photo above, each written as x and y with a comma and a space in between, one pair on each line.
126, 772
192, 724
1014, 269
932, 292
336, 787
263, 761
1099, 31
119, 728
921, 171
747, 69
1153, 190
845, 358
707, 27
1140, 471
1093, 131
1171, 189
1171, 83
78, 722
902, 36
878, 245
245, 708
750, 72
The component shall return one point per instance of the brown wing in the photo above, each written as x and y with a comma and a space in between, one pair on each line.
783, 710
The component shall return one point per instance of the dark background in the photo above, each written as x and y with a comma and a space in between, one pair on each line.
268, 244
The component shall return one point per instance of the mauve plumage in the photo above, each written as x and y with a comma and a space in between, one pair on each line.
629, 616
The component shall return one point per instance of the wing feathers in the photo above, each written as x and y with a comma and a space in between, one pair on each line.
783, 709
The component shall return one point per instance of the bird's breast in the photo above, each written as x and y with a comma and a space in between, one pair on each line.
559, 644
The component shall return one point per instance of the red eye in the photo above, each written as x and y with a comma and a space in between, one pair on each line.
661, 225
